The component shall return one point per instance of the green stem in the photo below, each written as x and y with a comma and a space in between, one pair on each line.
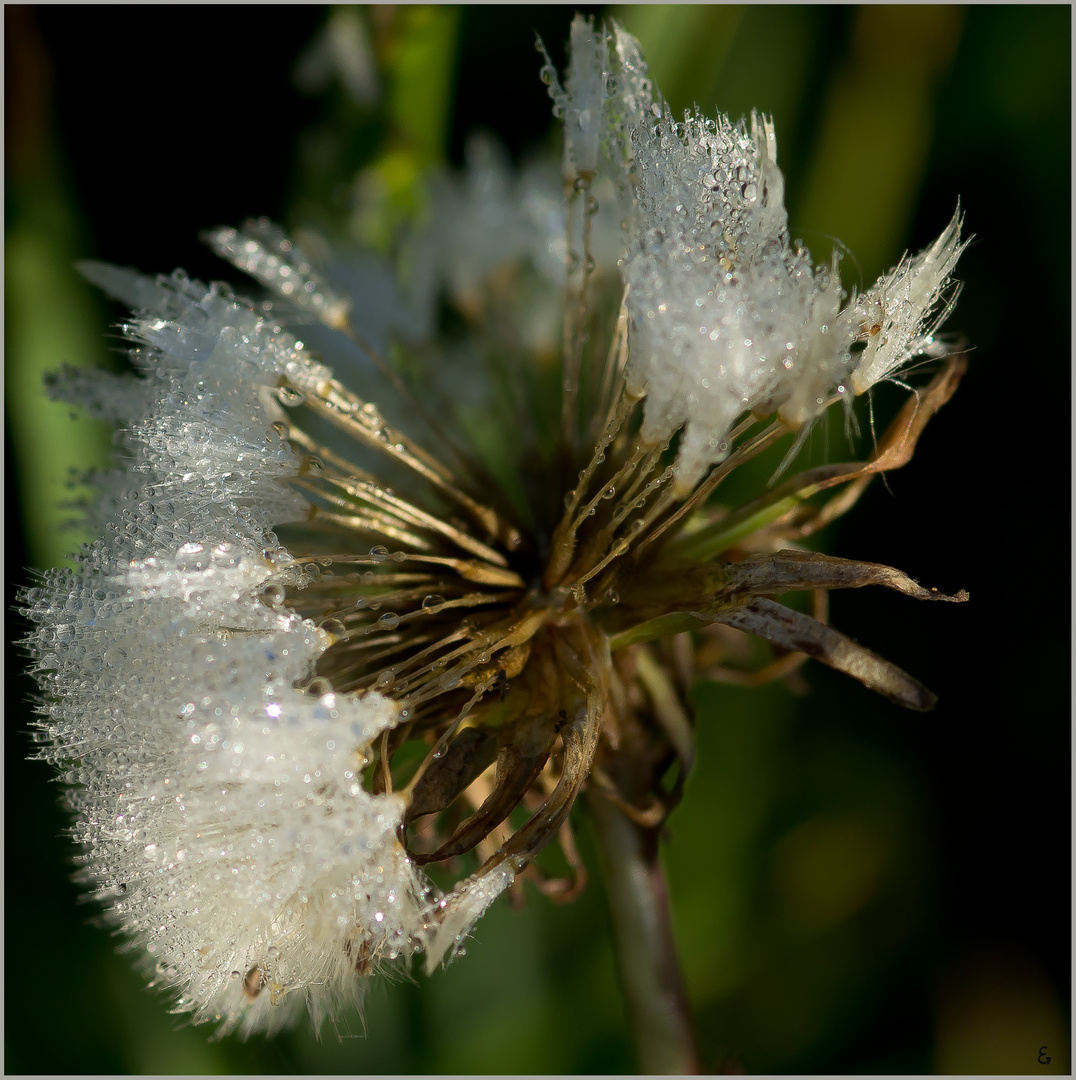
676, 622
658, 1010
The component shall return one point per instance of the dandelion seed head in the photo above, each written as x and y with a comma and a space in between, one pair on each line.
313, 651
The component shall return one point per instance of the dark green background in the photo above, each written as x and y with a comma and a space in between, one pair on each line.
856, 888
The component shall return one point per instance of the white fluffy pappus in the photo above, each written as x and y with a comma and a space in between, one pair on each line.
216, 787
727, 314
898, 317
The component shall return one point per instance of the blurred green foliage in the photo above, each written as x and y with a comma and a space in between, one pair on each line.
819, 925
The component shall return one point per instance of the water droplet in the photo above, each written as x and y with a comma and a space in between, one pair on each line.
432, 601
568, 497
273, 595
389, 621
609, 492
379, 552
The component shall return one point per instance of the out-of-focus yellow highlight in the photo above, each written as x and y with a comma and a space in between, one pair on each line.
995, 1014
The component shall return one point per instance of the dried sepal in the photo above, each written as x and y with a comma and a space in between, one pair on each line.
469, 754
518, 763
794, 571
789, 629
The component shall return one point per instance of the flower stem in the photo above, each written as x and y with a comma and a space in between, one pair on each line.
658, 1010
